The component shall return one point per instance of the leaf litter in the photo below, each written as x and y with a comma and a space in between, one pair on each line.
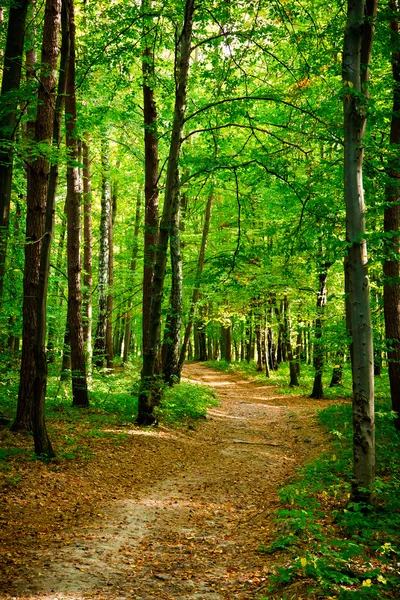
168, 513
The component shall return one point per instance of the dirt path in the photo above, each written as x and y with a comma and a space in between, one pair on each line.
193, 532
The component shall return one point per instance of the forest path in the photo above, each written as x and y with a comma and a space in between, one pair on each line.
193, 532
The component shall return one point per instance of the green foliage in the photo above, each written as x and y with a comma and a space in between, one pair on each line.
347, 549
185, 402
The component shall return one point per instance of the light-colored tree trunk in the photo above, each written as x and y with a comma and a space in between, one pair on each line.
356, 58
100, 338
135, 246
87, 251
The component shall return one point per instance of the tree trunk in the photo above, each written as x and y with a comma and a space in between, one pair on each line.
171, 366
151, 171
78, 365
110, 297
150, 385
199, 271
128, 319
87, 251
100, 338
259, 366
356, 58
391, 266
38, 173
42, 442
10, 83
317, 391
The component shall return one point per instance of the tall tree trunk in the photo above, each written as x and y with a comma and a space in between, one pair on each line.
9, 100
78, 364
38, 174
110, 294
391, 266
150, 386
87, 252
172, 368
317, 391
151, 170
199, 271
100, 338
128, 317
356, 58
41, 439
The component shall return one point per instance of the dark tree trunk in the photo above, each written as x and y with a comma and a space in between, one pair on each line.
149, 395
100, 338
172, 366
209, 348
38, 174
196, 289
356, 59
78, 365
87, 249
317, 391
391, 266
259, 366
42, 442
12, 66
151, 170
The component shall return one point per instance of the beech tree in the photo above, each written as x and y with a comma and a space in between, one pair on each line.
356, 60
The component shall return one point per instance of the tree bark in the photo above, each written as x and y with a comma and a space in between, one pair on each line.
110, 294
199, 271
151, 172
150, 385
42, 443
87, 251
128, 317
37, 186
12, 67
356, 58
78, 364
100, 338
171, 366
391, 265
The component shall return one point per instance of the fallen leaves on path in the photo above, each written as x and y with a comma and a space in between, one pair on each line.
168, 513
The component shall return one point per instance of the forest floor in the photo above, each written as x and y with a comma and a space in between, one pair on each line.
167, 513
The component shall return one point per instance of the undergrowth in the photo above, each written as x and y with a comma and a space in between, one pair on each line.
331, 547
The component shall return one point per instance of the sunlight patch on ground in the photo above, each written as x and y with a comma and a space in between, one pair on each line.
152, 433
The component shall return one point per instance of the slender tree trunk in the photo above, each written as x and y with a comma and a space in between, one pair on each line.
199, 271
356, 58
38, 173
87, 252
41, 439
10, 83
317, 391
128, 318
259, 366
391, 266
150, 385
151, 171
100, 339
171, 366
78, 364
110, 296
